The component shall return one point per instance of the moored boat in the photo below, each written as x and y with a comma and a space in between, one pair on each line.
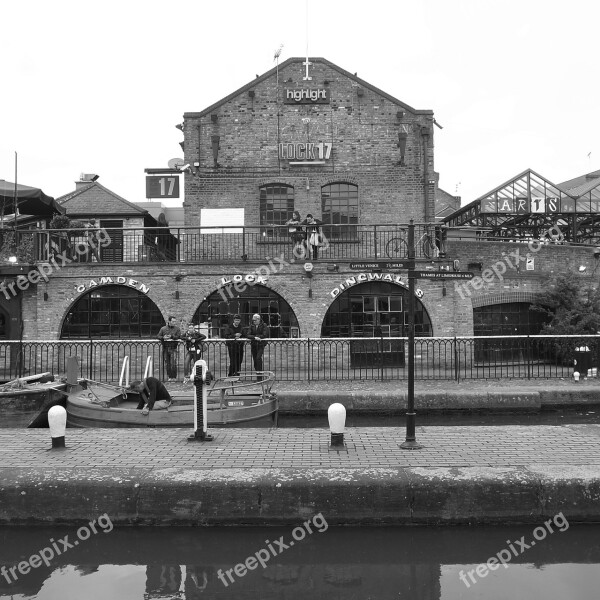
231, 401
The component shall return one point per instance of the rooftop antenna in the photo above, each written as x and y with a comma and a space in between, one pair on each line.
307, 77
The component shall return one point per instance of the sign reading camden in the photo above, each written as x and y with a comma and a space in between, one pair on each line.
306, 96
112, 281
363, 277
305, 151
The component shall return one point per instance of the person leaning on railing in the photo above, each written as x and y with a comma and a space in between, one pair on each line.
257, 334
194, 347
170, 335
234, 334
295, 229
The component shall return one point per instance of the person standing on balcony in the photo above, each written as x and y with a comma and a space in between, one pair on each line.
91, 230
193, 345
313, 235
257, 333
235, 345
166, 242
295, 230
170, 335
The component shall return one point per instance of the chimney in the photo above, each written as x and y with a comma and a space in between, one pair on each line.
85, 179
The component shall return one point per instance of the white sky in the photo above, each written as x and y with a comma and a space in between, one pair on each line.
99, 87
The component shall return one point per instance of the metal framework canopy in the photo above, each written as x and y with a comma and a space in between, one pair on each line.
529, 205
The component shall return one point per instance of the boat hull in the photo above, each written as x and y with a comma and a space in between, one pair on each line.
82, 412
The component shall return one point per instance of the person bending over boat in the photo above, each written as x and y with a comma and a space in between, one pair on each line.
153, 394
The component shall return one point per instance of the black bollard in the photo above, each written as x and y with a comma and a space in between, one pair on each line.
201, 380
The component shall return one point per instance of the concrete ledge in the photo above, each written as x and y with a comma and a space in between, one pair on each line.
309, 402
345, 496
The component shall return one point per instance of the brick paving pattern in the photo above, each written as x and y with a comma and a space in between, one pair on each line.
366, 447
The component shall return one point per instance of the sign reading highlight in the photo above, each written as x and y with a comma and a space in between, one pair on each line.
306, 96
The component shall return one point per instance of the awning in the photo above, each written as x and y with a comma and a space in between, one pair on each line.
30, 200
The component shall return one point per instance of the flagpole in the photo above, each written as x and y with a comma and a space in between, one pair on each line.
15, 198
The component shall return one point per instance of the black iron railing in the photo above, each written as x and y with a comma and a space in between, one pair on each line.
220, 244
325, 359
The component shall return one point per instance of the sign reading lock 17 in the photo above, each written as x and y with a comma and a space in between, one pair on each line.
305, 151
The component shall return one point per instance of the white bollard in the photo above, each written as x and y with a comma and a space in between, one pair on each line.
336, 415
576, 376
57, 421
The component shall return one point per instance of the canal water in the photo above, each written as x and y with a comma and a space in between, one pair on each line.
20, 419
329, 563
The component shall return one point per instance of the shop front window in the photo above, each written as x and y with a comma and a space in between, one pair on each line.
112, 312
218, 310
374, 310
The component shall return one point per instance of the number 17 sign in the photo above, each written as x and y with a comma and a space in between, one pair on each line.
162, 186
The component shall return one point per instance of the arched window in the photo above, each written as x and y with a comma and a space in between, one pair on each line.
374, 310
111, 312
339, 206
218, 310
505, 319
276, 207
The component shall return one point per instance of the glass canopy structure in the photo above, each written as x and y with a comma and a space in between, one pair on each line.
529, 205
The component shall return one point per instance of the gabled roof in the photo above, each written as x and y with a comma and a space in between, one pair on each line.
583, 188
581, 180
289, 61
95, 199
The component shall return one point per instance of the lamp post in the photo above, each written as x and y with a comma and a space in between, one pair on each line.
411, 441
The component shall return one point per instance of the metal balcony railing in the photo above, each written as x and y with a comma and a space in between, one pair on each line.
218, 244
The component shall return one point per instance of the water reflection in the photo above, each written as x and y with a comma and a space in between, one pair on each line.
341, 563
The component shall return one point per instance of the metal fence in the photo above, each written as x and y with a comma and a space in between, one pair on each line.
325, 359
218, 244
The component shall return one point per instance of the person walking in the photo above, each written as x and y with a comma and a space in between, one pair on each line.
193, 350
235, 345
257, 334
170, 335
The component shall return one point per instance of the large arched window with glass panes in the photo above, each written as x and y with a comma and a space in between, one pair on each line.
110, 312
339, 206
276, 207
218, 309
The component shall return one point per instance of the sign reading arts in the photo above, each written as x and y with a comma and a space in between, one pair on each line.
306, 96
112, 281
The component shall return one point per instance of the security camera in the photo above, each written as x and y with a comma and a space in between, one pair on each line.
597, 252
184, 167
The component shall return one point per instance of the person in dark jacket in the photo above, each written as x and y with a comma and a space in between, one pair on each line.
235, 346
257, 334
193, 349
153, 394
169, 336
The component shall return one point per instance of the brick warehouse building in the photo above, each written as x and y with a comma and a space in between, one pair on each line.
316, 139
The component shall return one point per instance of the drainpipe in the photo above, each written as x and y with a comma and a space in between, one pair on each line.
425, 135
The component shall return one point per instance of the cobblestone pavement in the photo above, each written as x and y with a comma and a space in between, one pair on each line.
367, 447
